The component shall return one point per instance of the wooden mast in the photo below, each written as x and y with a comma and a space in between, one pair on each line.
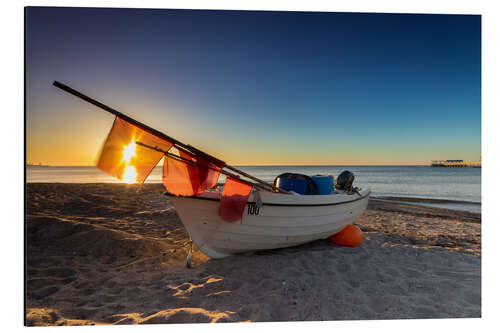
177, 144
189, 162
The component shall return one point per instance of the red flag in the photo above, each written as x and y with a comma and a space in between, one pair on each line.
184, 178
122, 158
234, 199
204, 174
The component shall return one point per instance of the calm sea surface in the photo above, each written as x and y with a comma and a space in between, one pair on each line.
459, 184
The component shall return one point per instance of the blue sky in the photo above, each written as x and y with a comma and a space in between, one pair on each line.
258, 87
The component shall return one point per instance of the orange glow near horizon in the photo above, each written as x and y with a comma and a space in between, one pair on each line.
130, 175
57, 148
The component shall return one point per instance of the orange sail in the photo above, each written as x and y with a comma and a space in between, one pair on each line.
187, 179
234, 199
122, 158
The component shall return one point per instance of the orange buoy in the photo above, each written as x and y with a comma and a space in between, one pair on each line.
349, 236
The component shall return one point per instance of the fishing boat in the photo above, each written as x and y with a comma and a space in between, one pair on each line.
282, 220
247, 214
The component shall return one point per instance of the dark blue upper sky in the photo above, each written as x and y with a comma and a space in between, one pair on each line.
259, 87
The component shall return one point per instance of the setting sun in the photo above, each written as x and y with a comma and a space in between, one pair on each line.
130, 175
129, 152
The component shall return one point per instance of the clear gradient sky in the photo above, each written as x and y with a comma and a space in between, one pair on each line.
258, 88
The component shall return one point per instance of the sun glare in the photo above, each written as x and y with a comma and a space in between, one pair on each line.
129, 152
130, 175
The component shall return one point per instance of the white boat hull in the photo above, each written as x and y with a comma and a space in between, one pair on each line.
283, 220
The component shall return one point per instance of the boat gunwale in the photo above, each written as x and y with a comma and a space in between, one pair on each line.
278, 204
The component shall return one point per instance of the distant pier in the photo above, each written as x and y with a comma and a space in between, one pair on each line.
455, 164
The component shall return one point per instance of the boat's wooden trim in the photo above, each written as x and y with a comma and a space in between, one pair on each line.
287, 205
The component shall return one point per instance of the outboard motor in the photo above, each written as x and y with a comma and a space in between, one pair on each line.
345, 180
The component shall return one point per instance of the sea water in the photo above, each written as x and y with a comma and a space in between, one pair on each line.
462, 185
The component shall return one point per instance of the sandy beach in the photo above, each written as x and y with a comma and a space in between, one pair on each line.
110, 254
